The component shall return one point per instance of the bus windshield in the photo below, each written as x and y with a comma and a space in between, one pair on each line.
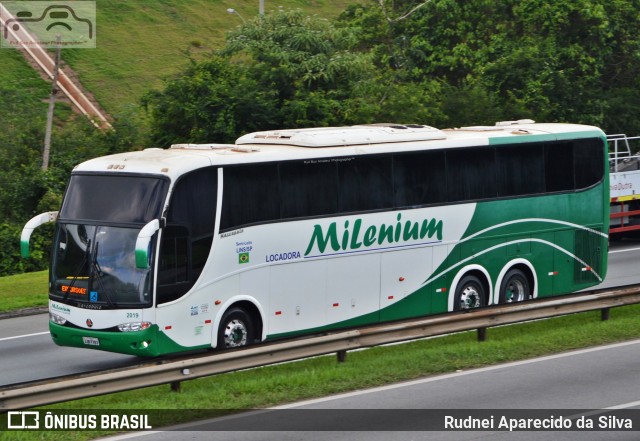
94, 266
93, 263
114, 198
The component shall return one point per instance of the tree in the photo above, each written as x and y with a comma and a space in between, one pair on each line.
284, 70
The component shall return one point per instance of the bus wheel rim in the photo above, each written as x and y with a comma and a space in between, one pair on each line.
469, 298
235, 334
515, 291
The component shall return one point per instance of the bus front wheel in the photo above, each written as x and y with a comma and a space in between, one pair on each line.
469, 294
236, 329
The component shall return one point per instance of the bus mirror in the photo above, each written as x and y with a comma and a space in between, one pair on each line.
142, 243
34, 222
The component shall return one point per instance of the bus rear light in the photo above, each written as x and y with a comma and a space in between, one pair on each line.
217, 302
55, 318
132, 327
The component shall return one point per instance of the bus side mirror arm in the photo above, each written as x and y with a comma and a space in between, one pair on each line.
142, 243
34, 222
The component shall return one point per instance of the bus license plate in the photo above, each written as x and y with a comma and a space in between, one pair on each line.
92, 341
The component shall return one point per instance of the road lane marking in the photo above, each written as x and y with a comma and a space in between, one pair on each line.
624, 406
23, 336
624, 251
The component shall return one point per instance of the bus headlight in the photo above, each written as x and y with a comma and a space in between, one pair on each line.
55, 318
132, 327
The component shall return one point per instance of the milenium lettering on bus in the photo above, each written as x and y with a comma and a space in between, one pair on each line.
353, 237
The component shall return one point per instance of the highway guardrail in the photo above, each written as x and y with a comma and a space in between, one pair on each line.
68, 388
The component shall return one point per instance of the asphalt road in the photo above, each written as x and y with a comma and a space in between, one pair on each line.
28, 353
605, 377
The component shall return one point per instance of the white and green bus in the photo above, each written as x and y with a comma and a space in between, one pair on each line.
295, 232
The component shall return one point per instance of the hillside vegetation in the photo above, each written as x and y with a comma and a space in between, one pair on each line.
140, 42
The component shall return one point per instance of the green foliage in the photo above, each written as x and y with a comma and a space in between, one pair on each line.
551, 61
27, 189
285, 70
443, 63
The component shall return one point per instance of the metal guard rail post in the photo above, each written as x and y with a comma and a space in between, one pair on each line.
87, 385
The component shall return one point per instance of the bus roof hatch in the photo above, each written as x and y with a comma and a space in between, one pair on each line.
345, 136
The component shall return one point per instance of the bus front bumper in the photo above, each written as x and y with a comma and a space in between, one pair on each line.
141, 343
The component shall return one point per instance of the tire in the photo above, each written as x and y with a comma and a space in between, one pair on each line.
236, 329
470, 294
514, 287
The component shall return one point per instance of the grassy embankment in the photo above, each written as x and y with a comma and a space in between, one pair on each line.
22, 291
140, 42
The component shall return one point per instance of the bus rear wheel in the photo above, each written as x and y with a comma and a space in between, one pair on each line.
470, 294
514, 287
236, 329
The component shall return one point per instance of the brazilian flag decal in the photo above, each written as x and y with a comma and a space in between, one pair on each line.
243, 258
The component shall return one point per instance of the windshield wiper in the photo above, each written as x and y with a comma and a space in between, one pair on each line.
78, 271
98, 275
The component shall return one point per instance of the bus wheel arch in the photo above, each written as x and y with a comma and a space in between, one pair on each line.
471, 287
241, 325
512, 273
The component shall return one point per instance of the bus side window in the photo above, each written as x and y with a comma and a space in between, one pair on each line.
364, 184
558, 158
250, 195
520, 170
173, 264
173, 256
419, 178
186, 241
309, 188
471, 174
588, 162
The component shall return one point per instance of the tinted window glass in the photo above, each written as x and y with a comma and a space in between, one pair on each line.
558, 160
471, 174
364, 183
309, 188
419, 178
589, 157
172, 265
114, 198
186, 241
520, 169
193, 202
250, 195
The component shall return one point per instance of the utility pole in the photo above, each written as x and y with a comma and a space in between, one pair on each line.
52, 104
261, 8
